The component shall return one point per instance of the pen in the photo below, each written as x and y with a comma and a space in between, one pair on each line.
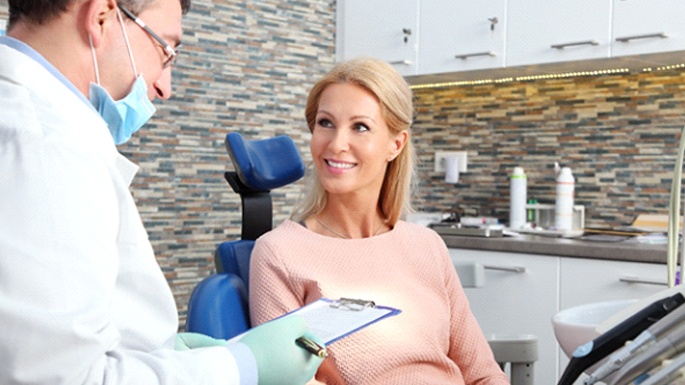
312, 347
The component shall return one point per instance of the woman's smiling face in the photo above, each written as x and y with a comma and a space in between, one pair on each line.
351, 143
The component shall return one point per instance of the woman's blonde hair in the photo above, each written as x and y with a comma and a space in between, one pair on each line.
395, 99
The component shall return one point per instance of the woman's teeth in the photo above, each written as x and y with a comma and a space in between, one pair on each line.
339, 165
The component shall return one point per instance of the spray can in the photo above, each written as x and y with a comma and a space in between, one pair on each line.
563, 210
517, 199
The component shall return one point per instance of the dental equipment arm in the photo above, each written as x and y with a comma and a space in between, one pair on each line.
674, 218
673, 370
671, 344
590, 353
638, 345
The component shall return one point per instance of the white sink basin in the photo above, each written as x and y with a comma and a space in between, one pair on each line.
575, 326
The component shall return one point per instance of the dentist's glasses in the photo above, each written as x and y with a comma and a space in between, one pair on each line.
169, 52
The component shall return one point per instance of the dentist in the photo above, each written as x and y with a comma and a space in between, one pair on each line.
82, 299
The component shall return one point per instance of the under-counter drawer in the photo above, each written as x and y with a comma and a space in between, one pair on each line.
519, 295
594, 280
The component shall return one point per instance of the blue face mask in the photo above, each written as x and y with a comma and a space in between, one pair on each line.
128, 115
125, 116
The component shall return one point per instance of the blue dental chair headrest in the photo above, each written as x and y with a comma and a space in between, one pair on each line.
265, 164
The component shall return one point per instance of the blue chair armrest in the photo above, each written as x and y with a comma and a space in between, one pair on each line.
218, 307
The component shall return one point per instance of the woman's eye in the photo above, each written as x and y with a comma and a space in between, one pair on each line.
361, 127
324, 123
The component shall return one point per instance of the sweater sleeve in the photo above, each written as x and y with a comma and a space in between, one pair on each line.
271, 291
468, 346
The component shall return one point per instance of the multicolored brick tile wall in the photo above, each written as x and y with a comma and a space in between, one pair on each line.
619, 134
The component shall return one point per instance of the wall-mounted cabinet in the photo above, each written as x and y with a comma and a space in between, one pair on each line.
646, 27
461, 35
386, 29
422, 38
540, 31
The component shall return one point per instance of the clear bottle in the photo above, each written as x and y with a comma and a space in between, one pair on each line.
563, 210
517, 199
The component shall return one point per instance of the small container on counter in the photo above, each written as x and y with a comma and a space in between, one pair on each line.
517, 198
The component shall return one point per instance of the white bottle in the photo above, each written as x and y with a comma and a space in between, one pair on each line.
517, 199
563, 211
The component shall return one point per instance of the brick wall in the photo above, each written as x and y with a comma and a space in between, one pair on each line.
620, 135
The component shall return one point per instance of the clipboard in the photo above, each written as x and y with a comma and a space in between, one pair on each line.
332, 320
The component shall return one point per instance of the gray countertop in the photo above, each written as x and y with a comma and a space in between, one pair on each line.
565, 247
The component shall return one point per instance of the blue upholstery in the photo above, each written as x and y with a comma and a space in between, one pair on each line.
265, 164
218, 306
234, 257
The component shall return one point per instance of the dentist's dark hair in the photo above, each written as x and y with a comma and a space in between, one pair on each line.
41, 11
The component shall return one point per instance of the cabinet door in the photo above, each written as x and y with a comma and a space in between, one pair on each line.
588, 280
648, 26
461, 35
543, 31
515, 302
386, 29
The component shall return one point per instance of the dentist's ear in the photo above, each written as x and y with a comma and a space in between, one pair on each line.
96, 14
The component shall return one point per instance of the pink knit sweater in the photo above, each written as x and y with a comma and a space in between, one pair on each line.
435, 340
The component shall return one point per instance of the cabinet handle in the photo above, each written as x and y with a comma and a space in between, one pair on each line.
403, 62
564, 45
627, 39
643, 280
468, 55
513, 269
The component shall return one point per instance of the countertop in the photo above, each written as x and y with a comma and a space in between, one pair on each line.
565, 247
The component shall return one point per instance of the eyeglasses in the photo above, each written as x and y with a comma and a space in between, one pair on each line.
169, 52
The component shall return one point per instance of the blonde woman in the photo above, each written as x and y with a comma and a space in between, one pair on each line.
347, 239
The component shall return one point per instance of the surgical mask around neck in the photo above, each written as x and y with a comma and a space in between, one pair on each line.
125, 116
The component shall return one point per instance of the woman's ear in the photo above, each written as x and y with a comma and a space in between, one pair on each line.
97, 14
398, 143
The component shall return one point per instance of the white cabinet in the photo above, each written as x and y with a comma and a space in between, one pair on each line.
386, 29
513, 301
426, 37
461, 35
588, 280
647, 26
519, 296
543, 31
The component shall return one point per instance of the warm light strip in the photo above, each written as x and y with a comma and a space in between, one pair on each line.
612, 71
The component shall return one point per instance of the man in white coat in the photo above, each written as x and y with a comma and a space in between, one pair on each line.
82, 299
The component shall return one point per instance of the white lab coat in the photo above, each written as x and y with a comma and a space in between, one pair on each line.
82, 299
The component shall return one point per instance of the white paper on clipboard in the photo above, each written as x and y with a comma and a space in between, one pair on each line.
332, 320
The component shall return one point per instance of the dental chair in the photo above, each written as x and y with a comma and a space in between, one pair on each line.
218, 306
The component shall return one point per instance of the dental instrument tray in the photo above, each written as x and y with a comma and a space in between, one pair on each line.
468, 231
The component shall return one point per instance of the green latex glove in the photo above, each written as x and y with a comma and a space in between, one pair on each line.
187, 341
279, 359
